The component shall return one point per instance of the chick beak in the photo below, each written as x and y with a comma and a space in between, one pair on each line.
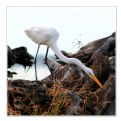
96, 80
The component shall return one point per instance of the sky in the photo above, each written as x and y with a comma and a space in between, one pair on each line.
73, 23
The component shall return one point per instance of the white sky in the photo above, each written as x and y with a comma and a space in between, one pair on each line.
91, 22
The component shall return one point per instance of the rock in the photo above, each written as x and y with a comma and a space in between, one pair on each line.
23, 94
20, 56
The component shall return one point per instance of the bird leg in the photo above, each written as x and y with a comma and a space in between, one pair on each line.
35, 61
47, 62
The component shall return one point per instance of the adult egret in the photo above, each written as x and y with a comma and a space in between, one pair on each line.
44, 35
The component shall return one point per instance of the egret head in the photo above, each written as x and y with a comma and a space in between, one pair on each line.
91, 74
30, 32
33, 34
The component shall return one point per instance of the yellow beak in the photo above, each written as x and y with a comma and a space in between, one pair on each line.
96, 80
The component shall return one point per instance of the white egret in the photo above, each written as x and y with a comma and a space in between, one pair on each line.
43, 35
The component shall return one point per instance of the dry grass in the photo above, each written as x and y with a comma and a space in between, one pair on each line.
58, 106
59, 102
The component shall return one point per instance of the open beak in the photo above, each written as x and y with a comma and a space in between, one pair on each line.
96, 80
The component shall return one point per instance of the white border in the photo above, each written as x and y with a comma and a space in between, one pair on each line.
3, 56
59, 2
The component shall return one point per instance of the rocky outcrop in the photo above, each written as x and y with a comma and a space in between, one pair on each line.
20, 56
70, 92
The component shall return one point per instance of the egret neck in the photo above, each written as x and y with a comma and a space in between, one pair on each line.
65, 59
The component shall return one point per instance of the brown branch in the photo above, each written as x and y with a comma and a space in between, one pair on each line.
73, 109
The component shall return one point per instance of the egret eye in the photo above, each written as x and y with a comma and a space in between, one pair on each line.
91, 75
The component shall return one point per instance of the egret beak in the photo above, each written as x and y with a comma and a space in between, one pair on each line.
96, 80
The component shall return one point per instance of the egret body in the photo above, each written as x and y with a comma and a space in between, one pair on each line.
43, 35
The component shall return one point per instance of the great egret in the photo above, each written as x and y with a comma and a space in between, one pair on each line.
44, 35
